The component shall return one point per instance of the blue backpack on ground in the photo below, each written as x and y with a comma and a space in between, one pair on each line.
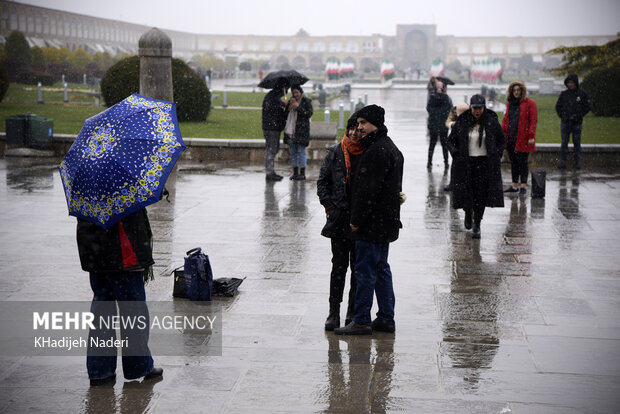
198, 276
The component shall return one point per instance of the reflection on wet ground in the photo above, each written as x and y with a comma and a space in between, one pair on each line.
523, 320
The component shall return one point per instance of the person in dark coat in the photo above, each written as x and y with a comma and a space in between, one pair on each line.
274, 120
297, 130
375, 222
571, 107
334, 185
476, 143
438, 107
119, 261
519, 125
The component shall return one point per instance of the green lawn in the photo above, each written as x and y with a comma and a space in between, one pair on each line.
246, 123
248, 99
221, 123
77, 93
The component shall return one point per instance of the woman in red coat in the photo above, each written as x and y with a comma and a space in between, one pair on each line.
519, 125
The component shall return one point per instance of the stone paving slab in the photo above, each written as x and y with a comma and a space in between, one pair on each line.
522, 321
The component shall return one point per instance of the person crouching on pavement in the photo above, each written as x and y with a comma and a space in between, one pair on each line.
476, 143
375, 222
334, 185
519, 125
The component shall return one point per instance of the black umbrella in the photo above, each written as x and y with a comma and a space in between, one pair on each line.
289, 77
445, 80
226, 286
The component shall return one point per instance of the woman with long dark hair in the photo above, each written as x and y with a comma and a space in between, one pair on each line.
477, 143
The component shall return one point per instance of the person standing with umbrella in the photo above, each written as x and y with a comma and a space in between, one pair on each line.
476, 143
274, 120
297, 130
117, 166
519, 125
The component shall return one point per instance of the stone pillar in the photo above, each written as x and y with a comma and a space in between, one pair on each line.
155, 50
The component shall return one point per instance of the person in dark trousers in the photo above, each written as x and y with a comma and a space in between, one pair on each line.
438, 107
476, 143
375, 223
274, 120
571, 107
334, 185
519, 125
297, 130
119, 262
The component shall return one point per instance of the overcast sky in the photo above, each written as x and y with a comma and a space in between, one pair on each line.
361, 17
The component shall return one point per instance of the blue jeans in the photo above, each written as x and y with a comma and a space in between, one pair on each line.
127, 290
298, 155
567, 128
373, 275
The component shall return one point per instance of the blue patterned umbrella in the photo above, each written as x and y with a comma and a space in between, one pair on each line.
121, 159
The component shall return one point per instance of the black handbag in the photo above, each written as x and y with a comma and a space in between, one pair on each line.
539, 178
179, 289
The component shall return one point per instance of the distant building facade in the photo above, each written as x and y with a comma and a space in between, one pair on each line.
413, 47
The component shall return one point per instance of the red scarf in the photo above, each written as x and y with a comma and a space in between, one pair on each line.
350, 147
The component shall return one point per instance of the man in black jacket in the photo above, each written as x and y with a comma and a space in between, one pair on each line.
274, 120
571, 107
375, 222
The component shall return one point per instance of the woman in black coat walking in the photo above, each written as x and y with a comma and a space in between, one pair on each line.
477, 143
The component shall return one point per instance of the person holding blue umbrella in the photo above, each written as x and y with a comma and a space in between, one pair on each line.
117, 166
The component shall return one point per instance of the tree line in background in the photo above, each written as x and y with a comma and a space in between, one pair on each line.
598, 66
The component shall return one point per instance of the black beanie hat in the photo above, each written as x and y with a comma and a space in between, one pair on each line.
373, 114
352, 122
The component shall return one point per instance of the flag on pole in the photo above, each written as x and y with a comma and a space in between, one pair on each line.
332, 69
387, 70
487, 70
437, 68
347, 69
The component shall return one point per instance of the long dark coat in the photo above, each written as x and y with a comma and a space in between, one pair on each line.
332, 191
458, 144
375, 203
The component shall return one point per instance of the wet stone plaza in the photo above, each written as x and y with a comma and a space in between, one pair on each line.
524, 320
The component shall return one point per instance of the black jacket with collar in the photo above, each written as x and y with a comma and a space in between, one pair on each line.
573, 104
375, 205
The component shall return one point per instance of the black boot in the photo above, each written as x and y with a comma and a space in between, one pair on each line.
350, 314
295, 173
333, 319
475, 231
302, 174
468, 219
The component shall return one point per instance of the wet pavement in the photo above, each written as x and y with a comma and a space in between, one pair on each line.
524, 320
